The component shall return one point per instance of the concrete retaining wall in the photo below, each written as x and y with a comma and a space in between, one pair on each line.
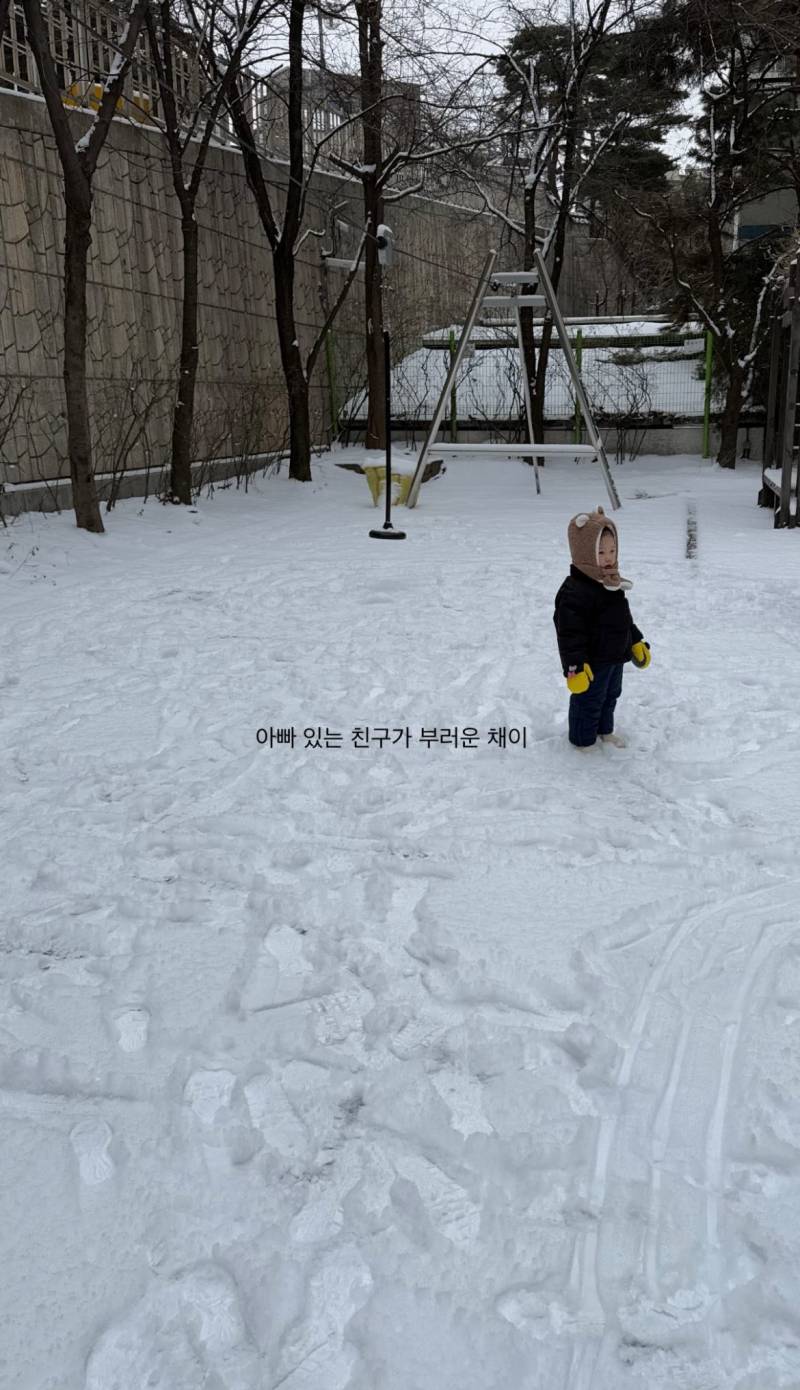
134, 298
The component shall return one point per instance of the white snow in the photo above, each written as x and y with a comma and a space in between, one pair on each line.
406, 1065
667, 380
85, 140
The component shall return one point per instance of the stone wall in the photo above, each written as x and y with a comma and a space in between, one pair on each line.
134, 299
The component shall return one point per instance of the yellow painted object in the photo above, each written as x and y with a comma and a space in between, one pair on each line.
91, 95
140, 107
376, 478
79, 94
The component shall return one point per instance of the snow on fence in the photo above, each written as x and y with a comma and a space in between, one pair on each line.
640, 371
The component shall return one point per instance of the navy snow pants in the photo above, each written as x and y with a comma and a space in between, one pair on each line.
592, 713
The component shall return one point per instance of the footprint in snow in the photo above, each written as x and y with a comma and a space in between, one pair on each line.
211, 1310
222, 1117
208, 1093
90, 1140
132, 1028
187, 1331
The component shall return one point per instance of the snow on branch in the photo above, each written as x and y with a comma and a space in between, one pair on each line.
91, 142
489, 206
748, 360
619, 124
401, 158
397, 194
703, 314
340, 298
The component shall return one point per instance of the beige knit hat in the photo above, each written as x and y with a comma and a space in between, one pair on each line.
584, 534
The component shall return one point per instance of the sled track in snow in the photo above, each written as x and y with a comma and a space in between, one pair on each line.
586, 1279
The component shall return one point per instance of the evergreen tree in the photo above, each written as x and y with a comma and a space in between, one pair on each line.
634, 82
738, 55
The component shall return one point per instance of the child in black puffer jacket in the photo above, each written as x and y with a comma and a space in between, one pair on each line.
595, 630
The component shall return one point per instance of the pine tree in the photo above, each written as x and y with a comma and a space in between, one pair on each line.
635, 82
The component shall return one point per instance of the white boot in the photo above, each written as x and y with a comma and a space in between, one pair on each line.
616, 739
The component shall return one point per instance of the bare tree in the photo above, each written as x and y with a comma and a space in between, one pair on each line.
410, 132
286, 228
588, 94
718, 278
188, 129
78, 164
370, 47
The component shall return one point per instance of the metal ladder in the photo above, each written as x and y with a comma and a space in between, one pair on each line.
514, 289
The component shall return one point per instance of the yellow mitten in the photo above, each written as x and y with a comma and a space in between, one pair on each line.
640, 654
578, 681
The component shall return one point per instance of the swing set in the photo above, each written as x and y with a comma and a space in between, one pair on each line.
515, 290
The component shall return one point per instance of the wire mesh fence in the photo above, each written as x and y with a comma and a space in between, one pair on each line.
632, 372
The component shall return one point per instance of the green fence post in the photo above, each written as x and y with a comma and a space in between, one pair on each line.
707, 395
578, 431
330, 363
453, 404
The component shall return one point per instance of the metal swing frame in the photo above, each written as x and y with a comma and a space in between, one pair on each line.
508, 288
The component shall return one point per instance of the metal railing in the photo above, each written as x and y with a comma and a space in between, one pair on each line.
646, 376
83, 38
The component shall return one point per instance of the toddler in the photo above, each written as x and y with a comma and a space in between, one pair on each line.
595, 630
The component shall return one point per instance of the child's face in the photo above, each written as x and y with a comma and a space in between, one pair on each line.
607, 551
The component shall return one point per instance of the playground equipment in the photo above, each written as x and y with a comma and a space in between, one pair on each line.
514, 290
387, 531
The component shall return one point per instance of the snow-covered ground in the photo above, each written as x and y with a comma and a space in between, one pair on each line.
401, 1066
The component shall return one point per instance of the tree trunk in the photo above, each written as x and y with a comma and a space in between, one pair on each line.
292, 363
77, 240
547, 331
181, 471
559, 242
729, 421
370, 45
78, 164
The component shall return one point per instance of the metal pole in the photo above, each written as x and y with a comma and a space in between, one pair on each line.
387, 391
453, 401
578, 435
330, 363
526, 392
388, 533
463, 343
707, 394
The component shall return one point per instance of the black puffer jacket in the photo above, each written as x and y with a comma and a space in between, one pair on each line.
593, 624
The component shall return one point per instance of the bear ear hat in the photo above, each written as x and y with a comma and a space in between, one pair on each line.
582, 520
600, 511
